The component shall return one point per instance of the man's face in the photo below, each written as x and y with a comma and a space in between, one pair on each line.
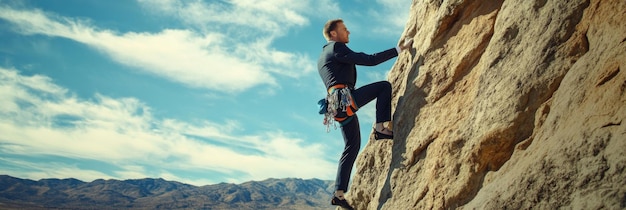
341, 33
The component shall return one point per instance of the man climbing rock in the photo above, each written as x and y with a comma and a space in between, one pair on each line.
337, 67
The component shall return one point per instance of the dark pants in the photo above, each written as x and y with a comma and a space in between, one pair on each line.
351, 131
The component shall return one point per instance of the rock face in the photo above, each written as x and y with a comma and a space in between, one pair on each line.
504, 104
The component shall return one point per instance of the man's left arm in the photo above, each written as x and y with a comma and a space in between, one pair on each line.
345, 54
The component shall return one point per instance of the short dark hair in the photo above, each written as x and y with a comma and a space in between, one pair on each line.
331, 25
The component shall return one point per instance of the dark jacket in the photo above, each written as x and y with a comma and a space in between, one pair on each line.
337, 63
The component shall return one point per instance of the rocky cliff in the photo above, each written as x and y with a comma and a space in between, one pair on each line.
504, 104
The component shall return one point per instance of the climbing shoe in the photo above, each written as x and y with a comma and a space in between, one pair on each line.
341, 202
378, 135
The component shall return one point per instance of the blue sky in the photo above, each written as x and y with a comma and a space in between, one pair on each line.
199, 92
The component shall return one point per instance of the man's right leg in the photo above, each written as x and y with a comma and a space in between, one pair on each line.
352, 139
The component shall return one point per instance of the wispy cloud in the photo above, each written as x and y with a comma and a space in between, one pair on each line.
218, 59
386, 19
394, 13
244, 18
41, 118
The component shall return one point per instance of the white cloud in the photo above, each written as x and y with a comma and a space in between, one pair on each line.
230, 60
122, 131
42, 170
237, 17
396, 13
386, 18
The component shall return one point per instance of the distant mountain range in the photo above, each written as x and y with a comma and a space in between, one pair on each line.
16, 193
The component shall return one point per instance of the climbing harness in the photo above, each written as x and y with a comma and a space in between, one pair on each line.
338, 106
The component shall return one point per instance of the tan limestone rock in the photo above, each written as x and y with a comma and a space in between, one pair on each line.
504, 105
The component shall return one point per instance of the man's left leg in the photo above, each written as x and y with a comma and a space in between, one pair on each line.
381, 91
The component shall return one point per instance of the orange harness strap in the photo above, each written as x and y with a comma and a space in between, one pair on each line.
337, 86
351, 109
